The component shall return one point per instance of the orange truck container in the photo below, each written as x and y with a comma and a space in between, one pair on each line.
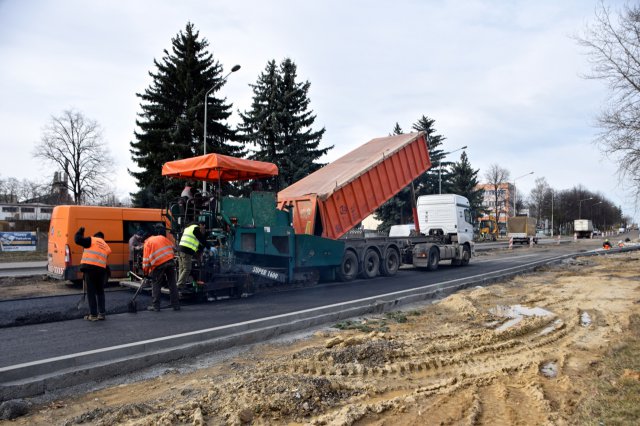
334, 199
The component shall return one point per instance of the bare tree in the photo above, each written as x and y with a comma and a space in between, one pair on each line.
497, 176
11, 190
612, 43
74, 144
538, 197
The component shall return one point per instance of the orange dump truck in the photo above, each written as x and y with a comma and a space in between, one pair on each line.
334, 199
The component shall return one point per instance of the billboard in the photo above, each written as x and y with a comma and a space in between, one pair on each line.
18, 241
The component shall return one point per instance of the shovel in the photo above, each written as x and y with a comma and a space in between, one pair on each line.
132, 306
84, 293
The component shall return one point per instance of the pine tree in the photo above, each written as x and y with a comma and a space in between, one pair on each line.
398, 210
464, 181
279, 123
429, 182
171, 122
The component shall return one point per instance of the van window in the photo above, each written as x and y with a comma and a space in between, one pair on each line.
130, 227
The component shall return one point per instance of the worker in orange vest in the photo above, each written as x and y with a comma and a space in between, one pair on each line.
159, 265
95, 268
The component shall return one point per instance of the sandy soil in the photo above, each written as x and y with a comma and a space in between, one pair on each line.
519, 352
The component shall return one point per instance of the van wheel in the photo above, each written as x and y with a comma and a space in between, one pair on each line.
466, 256
390, 264
370, 264
434, 259
348, 269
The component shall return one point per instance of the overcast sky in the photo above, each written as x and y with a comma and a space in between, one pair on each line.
503, 78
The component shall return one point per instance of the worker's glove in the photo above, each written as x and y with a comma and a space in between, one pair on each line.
81, 230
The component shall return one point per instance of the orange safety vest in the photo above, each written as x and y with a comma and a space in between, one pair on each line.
157, 250
97, 253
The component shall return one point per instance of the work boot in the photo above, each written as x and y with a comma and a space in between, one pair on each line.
91, 317
101, 317
153, 308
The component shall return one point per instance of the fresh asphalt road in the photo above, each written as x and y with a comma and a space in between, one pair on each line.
43, 341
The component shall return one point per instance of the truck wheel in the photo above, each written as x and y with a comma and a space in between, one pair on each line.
348, 269
434, 259
390, 264
370, 264
466, 256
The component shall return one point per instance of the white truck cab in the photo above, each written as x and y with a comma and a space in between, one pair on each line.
447, 215
445, 220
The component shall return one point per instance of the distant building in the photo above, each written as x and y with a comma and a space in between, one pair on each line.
11, 212
504, 209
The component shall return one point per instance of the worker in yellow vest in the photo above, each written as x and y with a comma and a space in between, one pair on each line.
159, 265
94, 265
192, 241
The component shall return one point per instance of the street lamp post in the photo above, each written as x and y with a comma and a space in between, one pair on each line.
580, 206
552, 194
206, 102
440, 167
595, 204
515, 193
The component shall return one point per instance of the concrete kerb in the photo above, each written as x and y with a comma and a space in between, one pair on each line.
35, 378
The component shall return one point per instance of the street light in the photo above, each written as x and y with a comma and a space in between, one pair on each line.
206, 102
440, 167
595, 204
515, 193
552, 194
580, 206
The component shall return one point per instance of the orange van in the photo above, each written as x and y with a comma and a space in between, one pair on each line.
117, 224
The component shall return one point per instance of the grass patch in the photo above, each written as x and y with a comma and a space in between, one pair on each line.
369, 325
22, 256
614, 393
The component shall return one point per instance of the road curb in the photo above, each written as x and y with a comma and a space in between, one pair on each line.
34, 378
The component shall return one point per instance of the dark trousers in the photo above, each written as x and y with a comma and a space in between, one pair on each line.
96, 279
164, 274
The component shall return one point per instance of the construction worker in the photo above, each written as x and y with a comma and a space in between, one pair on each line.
95, 268
159, 265
135, 242
191, 242
606, 244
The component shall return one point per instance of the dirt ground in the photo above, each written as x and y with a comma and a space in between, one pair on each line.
534, 350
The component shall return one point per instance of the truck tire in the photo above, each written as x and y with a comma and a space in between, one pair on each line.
390, 264
466, 256
433, 259
370, 264
348, 269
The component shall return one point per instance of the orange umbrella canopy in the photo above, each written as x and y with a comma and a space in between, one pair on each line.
214, 167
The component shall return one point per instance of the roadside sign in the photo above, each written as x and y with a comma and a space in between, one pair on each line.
18, 241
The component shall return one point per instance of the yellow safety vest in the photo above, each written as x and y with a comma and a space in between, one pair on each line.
188, 239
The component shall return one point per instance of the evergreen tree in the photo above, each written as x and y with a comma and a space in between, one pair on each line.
397, 130
464, 180
429, 182
171, 122
398, 210
279, 124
